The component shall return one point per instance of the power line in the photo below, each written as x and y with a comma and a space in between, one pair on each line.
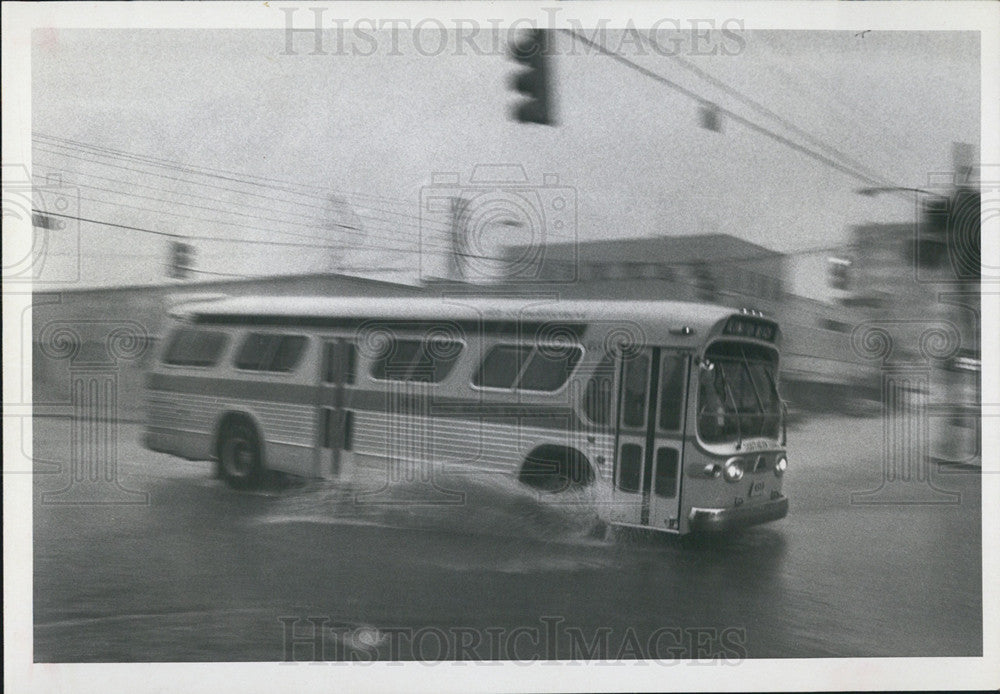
823, 159
243, 178
361, 243
762, 109
254, 242
419, 220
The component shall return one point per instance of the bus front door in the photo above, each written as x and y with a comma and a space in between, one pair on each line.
651, 408
334, 432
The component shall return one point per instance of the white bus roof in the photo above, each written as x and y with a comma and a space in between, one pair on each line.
672, 314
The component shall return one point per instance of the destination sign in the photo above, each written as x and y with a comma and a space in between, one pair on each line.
751, 327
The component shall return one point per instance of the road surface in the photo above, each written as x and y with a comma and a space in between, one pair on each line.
203, 573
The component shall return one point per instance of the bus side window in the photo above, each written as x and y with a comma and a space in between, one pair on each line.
347, 352
597, 396
549, 367
270, 352
501, 366
287, 355
256, 351
195, 348
636, 381
672, 391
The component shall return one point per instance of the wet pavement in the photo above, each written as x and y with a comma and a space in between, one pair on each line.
298, 571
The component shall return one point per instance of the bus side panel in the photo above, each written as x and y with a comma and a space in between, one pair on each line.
186, 423
459, 444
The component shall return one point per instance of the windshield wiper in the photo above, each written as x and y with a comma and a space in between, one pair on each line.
736, 409
756, 393
784, 407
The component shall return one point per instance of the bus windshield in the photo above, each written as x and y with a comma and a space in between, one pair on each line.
738, 394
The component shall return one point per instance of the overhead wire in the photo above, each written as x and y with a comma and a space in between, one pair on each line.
763, 110
756, 127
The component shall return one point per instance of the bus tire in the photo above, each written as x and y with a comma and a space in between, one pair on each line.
240, 461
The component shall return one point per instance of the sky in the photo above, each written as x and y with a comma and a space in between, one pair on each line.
346, 149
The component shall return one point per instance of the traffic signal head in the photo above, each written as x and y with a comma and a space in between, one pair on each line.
839, 273
948, 237
930, 248
181, 259
532, 51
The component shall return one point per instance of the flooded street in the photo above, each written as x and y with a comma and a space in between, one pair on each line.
203, 573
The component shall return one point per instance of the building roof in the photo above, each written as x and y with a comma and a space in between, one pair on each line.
677, 250
221, 285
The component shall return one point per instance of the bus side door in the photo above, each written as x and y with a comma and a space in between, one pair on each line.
335, 420
649, 446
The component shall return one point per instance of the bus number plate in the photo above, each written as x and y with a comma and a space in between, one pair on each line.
757, 488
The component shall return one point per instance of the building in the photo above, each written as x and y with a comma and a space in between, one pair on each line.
715, 268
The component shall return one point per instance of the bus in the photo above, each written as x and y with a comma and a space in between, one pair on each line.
667, 414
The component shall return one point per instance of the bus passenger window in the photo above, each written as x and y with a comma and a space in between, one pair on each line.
256, 351
672, 392
549, 367
347, 353
636, 379
501, 366
270, 352
393, 364
421, 361
287, 354
195, 348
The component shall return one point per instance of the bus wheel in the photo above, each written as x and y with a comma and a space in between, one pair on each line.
239, 456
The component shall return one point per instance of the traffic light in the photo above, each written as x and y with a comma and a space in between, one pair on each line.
181, 259
931, 246
839, 273
44, 221
532, 51
948, 236
710, 117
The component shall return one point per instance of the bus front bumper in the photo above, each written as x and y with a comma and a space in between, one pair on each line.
723, 519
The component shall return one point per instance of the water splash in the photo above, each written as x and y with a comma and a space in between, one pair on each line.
475, 503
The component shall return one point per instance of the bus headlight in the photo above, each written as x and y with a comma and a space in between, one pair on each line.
713, 470
781, 466
733, 471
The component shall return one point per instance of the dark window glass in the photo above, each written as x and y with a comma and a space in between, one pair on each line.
270, 352
549, 367
394, 362
339, 360
195, 348
666, 473
287, 354
636, 386
630, 467
672, 391
501, 366
427, 361
738, 399
597, 396
435, 360
256, 351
